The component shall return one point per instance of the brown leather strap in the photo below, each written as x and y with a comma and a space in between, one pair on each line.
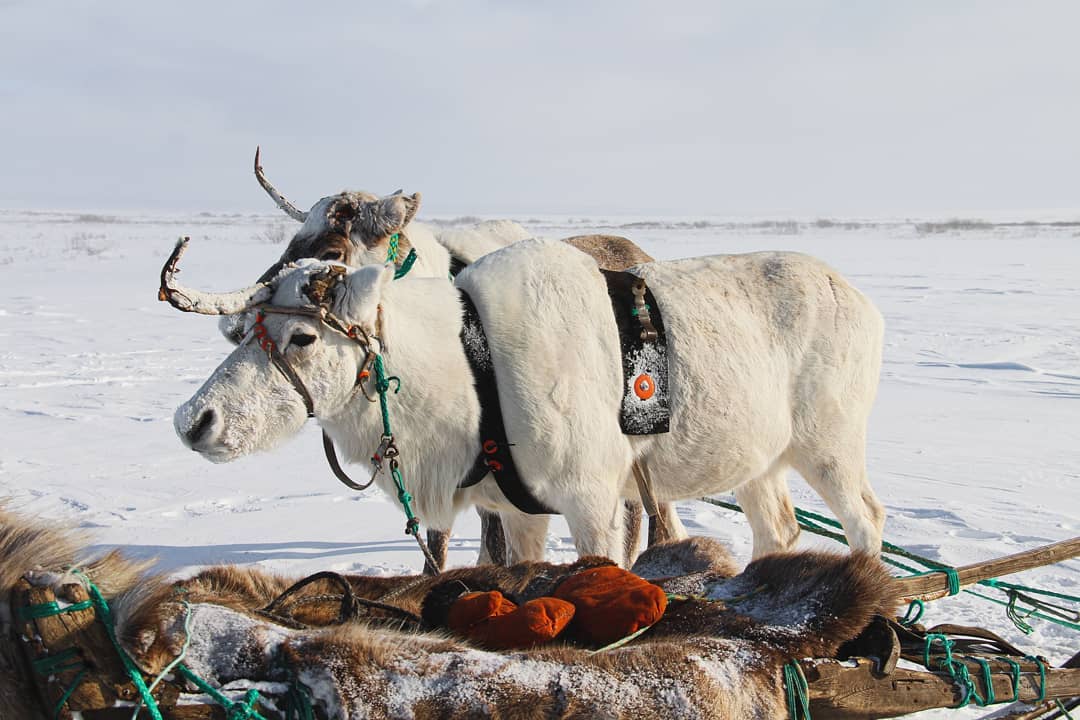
283, 365
648, 499
339, 473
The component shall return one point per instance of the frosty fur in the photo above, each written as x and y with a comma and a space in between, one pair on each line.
716, 657
774, 363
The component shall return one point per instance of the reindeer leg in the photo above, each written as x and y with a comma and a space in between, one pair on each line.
492, 539
438, 542
766, 501
526, 536
632, 510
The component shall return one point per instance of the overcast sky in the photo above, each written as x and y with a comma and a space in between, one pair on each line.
707, 108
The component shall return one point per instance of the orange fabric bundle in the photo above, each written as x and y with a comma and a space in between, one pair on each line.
473, 608
611, 603
492, 621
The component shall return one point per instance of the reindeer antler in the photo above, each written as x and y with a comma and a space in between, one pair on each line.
206, 303
283, 203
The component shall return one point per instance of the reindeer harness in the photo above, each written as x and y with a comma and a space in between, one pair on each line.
644, 409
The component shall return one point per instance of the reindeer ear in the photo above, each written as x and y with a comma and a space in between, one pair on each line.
363, 292
394, 212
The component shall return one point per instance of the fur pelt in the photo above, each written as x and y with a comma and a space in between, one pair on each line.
714, 656
45, 555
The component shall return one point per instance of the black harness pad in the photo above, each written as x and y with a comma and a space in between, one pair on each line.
646, 408
494, 456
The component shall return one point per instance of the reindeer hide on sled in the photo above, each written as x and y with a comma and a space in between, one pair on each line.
718, 651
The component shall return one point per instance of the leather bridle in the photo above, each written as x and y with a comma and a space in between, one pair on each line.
278, 360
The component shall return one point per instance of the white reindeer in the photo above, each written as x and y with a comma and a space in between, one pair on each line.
773, 357
356, 228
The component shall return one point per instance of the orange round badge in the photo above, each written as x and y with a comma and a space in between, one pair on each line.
644, 387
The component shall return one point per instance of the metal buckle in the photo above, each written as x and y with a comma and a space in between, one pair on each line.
387, 450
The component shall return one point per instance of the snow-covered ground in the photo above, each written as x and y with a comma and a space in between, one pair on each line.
974, 445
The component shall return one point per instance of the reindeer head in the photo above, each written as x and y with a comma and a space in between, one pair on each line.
320, 319
354, 228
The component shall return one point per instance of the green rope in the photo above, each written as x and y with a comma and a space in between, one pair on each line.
1063, 710
176, 661
244, 710
1014, 671
382, 386
960, 674
812, 522
392, 248
104, 614
797, 691
412, 526
957, 670
950, 573
999, 584
58, 662
240, 710
1019, 620
1042, 677
69, 692
406, 265
809, 517
48, 609
914, 613
988, 681
297, 703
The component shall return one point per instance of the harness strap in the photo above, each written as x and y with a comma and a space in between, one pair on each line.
648, 498
283, 365
339, 472
494, 455
477, 472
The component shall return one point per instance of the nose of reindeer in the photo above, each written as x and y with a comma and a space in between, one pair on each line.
202, 426
202, 429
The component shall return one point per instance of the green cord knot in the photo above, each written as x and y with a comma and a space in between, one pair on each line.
382, 384
245, 709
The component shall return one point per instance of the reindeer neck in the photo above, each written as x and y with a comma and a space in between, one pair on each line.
435, 416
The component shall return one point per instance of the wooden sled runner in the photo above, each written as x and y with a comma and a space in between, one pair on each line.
344, 646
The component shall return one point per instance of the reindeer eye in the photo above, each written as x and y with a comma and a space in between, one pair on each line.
335, 255
301, 339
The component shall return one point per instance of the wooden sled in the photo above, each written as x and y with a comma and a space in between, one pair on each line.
62, 639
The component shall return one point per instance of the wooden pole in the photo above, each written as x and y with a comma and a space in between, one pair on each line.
1024, 711
936, 585
840, 691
